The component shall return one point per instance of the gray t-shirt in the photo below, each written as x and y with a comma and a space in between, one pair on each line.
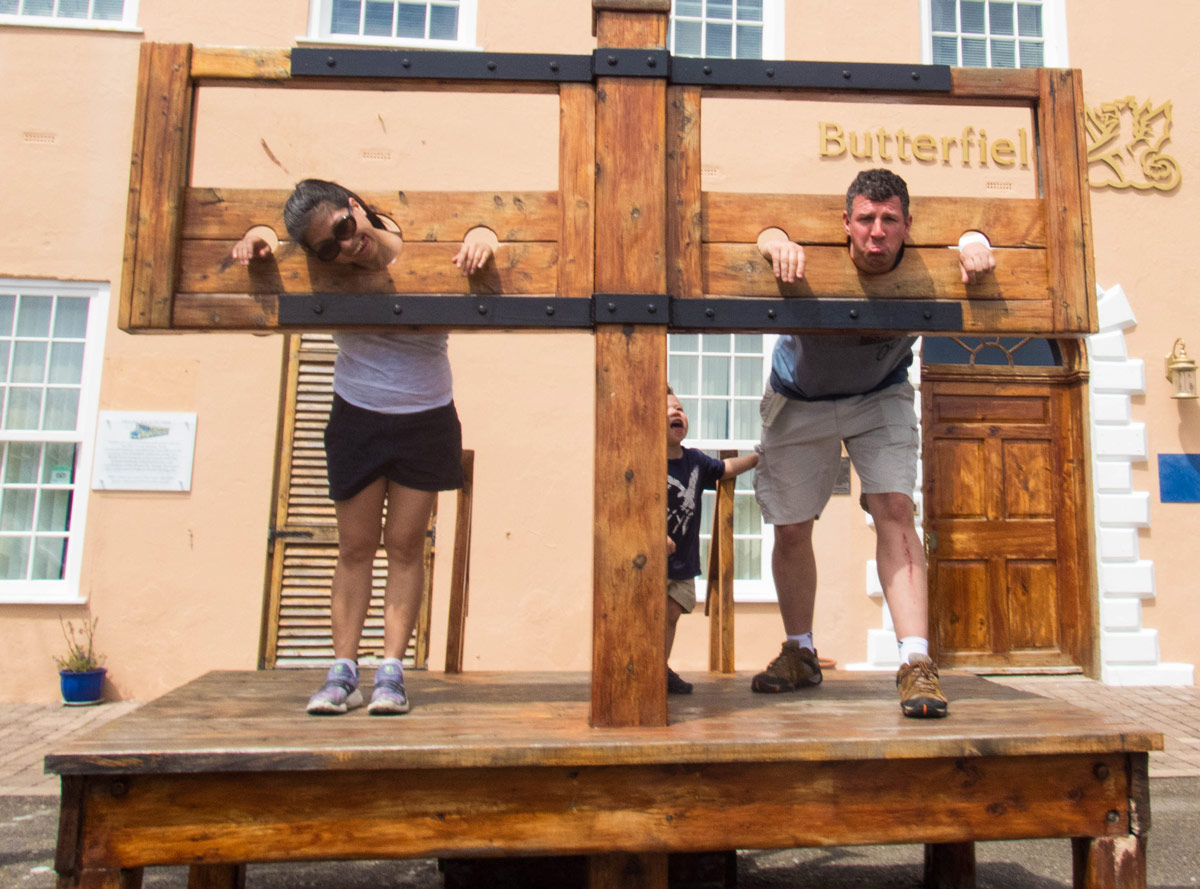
393, 373
814, 367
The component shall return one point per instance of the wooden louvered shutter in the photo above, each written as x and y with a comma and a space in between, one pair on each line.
303, 540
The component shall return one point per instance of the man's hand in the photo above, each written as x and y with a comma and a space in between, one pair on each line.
975, 260
787, 257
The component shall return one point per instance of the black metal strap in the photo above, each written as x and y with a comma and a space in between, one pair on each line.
631, 63
383, 310
815, 314
810, 75
440, 65
631, 308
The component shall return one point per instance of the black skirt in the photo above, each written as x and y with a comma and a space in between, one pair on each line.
421, 450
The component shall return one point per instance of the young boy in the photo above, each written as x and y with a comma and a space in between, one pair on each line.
689, 472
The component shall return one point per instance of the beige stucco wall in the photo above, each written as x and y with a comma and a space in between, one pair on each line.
177, 579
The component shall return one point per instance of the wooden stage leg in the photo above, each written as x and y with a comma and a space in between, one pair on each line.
1110, 862
621, 870
217, 876
950, 866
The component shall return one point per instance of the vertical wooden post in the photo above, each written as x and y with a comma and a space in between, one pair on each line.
629, 559
460, 571
718, 604
950, 866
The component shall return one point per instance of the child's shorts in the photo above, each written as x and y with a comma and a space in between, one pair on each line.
421, 450
683, 592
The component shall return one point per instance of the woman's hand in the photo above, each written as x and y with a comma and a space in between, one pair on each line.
471, 257
251, 246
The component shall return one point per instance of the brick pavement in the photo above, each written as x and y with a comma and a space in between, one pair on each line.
30, 731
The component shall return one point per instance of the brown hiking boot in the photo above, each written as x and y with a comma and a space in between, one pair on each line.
920, 692
795, 668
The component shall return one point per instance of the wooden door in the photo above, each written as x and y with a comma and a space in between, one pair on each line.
302, 548
1006, 518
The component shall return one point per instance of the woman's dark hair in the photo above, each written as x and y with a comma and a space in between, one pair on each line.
308, 195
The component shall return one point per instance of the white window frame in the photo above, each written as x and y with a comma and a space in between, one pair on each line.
66, 590
1054, 33
318, 30
772, 27
128, 22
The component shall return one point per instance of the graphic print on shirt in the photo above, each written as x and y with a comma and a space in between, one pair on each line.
682, 508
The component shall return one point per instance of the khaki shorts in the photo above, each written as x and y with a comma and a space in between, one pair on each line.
683, 592
802, 447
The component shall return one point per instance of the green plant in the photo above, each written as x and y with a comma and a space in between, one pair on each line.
81, 655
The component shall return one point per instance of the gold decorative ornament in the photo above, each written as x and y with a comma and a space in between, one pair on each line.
1181, 371
1125, 138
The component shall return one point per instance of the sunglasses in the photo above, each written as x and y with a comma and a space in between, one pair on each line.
327, 251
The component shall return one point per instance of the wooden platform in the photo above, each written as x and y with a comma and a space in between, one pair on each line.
228, 769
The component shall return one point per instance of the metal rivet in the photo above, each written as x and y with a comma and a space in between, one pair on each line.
927, 314
491, 66
708, 69
771, 313
651, 308
482, 309
916, 75
1113, 816
549, 310
854, 313
318, 308
331, 62
845, 75
612, 61
770, 72
652, 62
1100, 771
554, 66
612, 307
406, 63
397, 308
709, 313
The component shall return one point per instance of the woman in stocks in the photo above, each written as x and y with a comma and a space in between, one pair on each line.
393, 438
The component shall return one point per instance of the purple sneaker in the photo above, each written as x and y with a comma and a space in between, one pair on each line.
388, 698
339, 693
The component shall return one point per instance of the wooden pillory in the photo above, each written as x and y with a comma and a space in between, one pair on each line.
631, 247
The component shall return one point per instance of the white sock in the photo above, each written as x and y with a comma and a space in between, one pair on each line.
353, 665
804, 640
911, 645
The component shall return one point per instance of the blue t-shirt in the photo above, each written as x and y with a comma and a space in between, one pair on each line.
686, 478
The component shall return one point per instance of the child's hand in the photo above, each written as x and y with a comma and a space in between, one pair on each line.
670, 547
250, 247
473, 256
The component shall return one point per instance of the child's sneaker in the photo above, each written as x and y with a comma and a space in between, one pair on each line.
920, 691
339, 693
676, 684
388, 698
795, 668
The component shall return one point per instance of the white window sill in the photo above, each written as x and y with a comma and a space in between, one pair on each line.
22, 21
349, 40
29, 598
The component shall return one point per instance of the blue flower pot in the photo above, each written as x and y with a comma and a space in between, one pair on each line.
81, 689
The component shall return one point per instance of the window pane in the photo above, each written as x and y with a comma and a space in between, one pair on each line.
48, 556
377, 18
749, 41
974, 52
8, 304
21, 462
8, 7
684, 342
748, 376
62, 409
689, 7
945, 50
715, 342
70, 317
54, 511
66, 363
683, 373
720, 9
747, 517
691, 407
750, 10
1029, 20
29, 363
715, 419
746, 420
443, 22
944, 15
33, 315
1004, 54
410, 20
748, 343
72, 9
720, 41
1032, 54
344, 17
972, 16
1000, 17
59, 468
16, 509
14, 555
715, 375
747, 559
37, 7
108, 10
687, 38
24, 408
